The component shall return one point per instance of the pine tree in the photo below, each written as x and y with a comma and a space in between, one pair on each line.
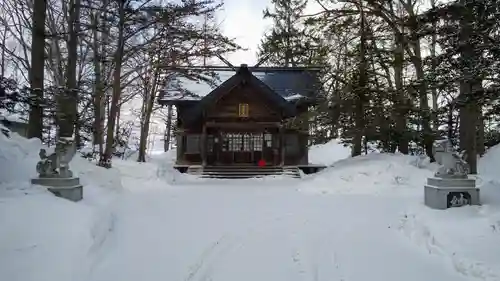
37, 69
469, 57
284, 45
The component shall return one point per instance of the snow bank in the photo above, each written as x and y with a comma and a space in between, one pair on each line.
489, 163
489, 177
468, 238
369, 174
328, 153
18, 157
43, 237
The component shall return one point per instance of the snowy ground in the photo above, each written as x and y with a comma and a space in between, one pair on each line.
360, 219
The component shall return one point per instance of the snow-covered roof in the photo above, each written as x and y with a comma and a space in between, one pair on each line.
294, 97
291, 85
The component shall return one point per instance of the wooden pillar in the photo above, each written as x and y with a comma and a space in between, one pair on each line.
303, 147
282, 145
204, 146
180, 146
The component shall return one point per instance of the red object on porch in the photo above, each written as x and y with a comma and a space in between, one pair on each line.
262, 163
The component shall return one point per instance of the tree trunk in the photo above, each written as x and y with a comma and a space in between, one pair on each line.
143, 140
148, 105
428, 138
145, 121
480, 134
4, 40
470, 86
68, 102
99, 88
104, 69
78, 138
359, 113
144, 131
450, 122
288, 23
416, 59
166, 145
35, 123
468, 120
462, 116
118, 60
168, 129
401, 103
118, 113
434, 94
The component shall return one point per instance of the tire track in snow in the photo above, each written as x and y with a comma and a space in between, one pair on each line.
227, 242
299, 248
205, 257
101, 232
322, 251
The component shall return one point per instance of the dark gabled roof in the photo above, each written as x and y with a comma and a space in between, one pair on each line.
242, 75
291, 84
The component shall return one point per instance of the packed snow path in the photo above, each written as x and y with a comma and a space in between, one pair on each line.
245, 232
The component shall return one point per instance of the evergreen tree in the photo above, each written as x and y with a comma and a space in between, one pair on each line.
287, 43
469, 58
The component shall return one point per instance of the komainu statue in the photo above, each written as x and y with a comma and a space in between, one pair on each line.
452, 163
48, 165
57, 163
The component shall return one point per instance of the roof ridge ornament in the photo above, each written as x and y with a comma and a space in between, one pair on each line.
243, 68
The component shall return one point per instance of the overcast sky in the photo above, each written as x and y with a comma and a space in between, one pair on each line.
242, 19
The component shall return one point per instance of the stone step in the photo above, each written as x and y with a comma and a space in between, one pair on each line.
243, 169
241, 172
235, 176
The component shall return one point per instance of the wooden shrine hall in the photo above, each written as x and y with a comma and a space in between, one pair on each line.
254, 121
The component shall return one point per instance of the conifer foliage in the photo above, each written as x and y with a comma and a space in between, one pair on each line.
397, 74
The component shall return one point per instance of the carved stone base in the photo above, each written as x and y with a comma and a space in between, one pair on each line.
443, 193
68, 188
451, 182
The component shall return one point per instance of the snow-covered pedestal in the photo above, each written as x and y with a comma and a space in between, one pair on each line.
54, 172
450, 186
443, 193
68, 188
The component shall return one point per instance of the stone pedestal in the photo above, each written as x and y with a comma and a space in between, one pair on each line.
68, 188
446, 192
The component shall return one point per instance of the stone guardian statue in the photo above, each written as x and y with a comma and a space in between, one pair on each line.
451, 162
450, 186
54, 173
